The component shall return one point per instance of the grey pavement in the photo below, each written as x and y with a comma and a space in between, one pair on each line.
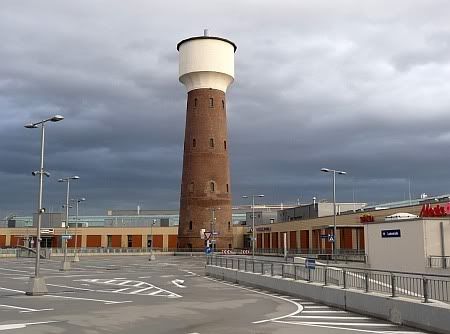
170, 295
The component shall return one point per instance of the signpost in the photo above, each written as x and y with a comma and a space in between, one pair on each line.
330, 237
310, 263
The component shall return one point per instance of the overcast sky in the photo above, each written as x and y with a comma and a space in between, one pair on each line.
362, 86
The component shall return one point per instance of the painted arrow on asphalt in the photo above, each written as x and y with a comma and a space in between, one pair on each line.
178, 283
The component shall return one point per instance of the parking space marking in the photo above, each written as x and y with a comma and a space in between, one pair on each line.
25, 309
13, 290
23, 325
106, 302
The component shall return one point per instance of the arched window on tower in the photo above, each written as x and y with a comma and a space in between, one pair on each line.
228, 188
211, 102
211, 142
194, 142
229, 226
225, 145
212, 186
223, 104
191, 187
195, 102
190, 225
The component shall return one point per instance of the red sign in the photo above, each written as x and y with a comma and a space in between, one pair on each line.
437, 211
366, 219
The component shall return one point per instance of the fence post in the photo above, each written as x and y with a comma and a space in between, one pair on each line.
226, 262
295, 272
393, 285
271, 269
366, 280
344, 278
309, 274
253, 266
232, 263
239, 265
262, 268
245, 264
325, 274
425, 290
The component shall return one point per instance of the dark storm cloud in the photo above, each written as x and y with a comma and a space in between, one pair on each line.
359, 86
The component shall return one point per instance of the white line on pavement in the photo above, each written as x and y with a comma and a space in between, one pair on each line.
106, 302
25, 309
120, 290
316, 306
141, 290
323, 312
178, 283
23, 325
299, 307
122, 283
373, 324
328, 317
331, 327
6, 289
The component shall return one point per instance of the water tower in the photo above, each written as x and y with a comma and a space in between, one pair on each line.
206, 68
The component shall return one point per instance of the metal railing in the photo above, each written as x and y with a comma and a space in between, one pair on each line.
346, 255
413, 285
435, 261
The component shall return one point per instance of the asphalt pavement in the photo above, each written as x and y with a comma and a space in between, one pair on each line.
130, 294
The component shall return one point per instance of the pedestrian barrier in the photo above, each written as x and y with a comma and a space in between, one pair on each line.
426, 287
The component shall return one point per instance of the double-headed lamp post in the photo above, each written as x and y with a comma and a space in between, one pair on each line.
339, 172
66, 264
77, 201
253, 221
37, 283
152, 256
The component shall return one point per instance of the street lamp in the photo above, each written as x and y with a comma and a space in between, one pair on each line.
339, 172
66, 264
213, 229
75, 257
152, 256
253, 221
37, 284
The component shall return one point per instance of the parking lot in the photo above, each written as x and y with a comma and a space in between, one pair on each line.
169, 295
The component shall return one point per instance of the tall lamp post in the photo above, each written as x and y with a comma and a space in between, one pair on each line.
78, 201
213, 228
253, 221
339, 172
152, 256
66, 264
37, 284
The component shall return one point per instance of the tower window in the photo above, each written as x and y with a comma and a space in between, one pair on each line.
191, 187
225, 144
223, 104
190, 225
227, 188
212, 186
211, 142
229, 226
211, 102
195, 102
194, 142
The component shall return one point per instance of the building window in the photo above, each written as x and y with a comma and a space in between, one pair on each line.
212, 186
190, 225
228, 188
225, 145
191, 187
229, 226
229, 246
194, 142
223, 104
211, 142
211, 102
130, 241
195, 102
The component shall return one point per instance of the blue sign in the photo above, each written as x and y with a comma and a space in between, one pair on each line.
208, 250
324, 236
390, 234
310, 263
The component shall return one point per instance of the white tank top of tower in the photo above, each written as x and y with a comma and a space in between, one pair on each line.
206, 62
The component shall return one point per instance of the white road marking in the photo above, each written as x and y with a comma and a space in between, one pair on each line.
141, 290
145, 277
333, 327
20, 271
299, 307
120, 290
23, 325
6, 289
179, 283
106, 302
25, 309
315, 306
324, 312
123, 283
166, 276
328, 317
373, 324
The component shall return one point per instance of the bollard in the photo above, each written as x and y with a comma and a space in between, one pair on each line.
392, 285
425, 290
325, 274
344, 278
366, 280
271, 269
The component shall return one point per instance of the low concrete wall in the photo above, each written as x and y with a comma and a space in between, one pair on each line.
427, 316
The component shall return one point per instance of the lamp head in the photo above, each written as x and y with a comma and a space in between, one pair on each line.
30, 126
61, 180
57, 118
325, 170
245, 196
75, 177
260, 195
47, 174
342, 173
35, 173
